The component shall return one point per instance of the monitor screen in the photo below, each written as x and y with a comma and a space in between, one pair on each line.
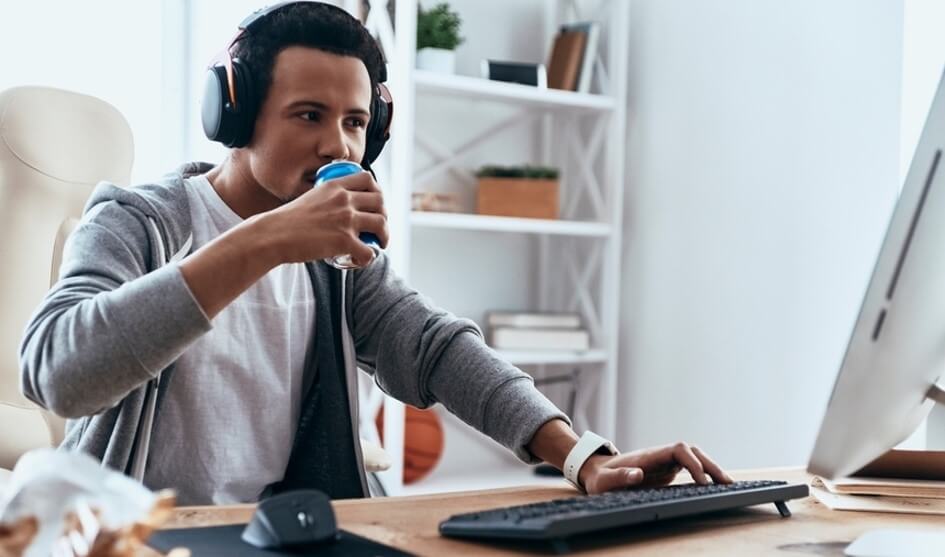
896, 353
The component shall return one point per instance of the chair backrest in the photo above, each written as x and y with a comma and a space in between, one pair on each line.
55, 146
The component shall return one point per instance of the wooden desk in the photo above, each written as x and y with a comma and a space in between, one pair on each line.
410, 523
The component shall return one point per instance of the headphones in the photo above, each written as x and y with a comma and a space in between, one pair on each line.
230, 105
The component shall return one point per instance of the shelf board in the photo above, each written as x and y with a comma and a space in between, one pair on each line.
466, 221
477, 88
534, 357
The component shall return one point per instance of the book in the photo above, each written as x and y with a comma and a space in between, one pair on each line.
533, 320
897, 473
525, 73
564, 65
875, 503
514, 338
592, 31
884, 486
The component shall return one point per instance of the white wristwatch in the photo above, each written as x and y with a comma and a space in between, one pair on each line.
589, 444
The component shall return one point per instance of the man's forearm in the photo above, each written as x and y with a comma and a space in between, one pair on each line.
223, 269
552, 443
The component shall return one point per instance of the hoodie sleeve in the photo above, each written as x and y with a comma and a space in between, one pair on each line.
422, 355
108, 325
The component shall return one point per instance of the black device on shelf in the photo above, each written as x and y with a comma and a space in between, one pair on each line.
560, 519
525, 73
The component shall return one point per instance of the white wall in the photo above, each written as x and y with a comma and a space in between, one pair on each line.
763, 167
110, 49
923, 58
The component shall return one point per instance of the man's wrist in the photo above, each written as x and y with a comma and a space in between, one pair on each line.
265, 242
552, 442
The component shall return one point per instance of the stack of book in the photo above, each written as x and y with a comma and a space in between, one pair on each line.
573, 57
536, 331
900, 481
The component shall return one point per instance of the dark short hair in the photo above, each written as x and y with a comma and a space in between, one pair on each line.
310, 24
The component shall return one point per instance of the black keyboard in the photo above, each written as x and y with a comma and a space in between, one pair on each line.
564, 518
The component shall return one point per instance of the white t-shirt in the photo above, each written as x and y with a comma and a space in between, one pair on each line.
225, 427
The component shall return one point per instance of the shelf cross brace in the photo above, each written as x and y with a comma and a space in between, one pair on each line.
448, 158
582, 296
585, 156
378, 24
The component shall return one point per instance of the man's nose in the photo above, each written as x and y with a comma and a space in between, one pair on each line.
332, 144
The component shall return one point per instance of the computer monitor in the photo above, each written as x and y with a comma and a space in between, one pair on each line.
887, 383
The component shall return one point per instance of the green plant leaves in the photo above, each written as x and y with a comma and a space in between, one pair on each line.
438, 27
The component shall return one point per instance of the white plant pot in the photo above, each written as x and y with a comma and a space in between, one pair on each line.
436, 60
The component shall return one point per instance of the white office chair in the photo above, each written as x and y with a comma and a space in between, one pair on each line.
55, 146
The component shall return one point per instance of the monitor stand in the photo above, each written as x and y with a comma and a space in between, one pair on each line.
936, 393
910, 464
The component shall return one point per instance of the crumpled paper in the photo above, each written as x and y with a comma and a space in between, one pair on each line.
66, 504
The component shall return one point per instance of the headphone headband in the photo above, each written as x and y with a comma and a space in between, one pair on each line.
261, 13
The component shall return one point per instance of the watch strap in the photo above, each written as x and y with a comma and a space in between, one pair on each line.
589, 444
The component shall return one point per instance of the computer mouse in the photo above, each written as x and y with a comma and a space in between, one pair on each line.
293, 518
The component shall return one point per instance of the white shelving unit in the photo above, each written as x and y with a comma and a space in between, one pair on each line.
577, 261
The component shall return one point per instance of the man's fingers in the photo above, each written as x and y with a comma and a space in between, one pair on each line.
374, 223
609, 479
361, 253
368, 202
362, 181
684, 455
714, 470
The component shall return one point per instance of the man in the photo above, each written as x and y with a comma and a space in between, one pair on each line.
197, 340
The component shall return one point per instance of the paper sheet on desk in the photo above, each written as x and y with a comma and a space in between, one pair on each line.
875, 503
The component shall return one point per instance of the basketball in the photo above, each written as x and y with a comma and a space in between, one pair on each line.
423, 441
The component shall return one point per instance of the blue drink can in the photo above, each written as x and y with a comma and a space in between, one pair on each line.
331, 171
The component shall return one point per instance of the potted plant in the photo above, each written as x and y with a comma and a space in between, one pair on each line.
437, 38
518, 191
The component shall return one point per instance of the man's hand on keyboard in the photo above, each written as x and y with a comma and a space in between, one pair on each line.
649, 467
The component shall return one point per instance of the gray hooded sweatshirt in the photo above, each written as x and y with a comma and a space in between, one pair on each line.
101, 347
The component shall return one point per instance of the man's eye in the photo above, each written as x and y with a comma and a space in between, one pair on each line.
357, 122
310, 116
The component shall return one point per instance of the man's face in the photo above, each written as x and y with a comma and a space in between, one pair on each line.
317, 110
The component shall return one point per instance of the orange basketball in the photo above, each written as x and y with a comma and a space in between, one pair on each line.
423, 441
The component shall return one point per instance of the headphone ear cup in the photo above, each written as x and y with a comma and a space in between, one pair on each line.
378, 131
223, 122
244, 120
213, 108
